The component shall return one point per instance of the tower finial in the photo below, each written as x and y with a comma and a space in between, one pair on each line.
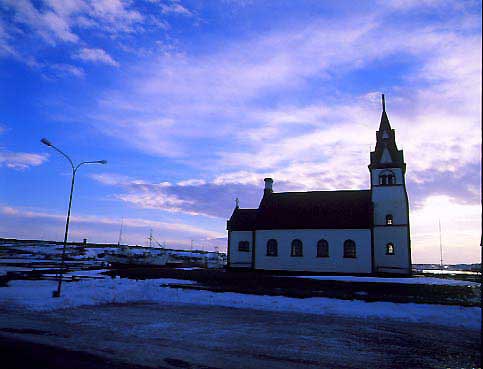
237, 203
383, 103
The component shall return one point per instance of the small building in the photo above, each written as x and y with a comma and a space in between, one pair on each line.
357, 231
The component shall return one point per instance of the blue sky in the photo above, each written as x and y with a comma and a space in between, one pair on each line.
194, 103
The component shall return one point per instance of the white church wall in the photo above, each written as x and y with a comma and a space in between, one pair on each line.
389, 200
335, 263
399, 237
240, 258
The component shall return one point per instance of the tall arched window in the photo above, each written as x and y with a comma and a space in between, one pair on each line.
349, 249
390, 249
389, 219
297, 248
272, 247
244, 246
387, 177
322, 249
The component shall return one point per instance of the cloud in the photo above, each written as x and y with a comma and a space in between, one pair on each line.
218, 97
62, 70
171, 229
229, 109
21, 160
96, 56
193, 197
55, 20
175, 7
48, 23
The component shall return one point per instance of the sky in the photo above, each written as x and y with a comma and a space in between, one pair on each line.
193, 103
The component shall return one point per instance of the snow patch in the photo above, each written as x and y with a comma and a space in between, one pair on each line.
408, 280
37, 295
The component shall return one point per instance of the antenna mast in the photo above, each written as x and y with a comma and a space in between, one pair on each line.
120, 233
440, 246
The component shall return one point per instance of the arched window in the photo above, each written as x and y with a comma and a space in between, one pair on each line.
244, 246
390, 249
322, 249
297, 248
272, 247
387, 178
349, 249
389, 219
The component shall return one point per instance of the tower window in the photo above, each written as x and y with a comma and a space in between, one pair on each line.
390, 249
244, 246
389, 219
272, 247
297, 248
322, 249
349, 249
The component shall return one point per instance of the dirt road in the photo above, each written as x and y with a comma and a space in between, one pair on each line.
189, 336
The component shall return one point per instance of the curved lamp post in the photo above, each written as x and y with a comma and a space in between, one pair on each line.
74, 171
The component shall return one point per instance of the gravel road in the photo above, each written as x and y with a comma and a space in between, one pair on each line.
189, 336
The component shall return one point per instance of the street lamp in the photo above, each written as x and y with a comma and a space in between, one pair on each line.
74, 171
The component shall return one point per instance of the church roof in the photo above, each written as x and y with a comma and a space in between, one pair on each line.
242, 219
307, 210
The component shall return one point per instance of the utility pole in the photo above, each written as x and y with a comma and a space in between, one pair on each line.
46, 142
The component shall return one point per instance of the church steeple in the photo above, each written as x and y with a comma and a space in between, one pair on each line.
384, 126
386, 153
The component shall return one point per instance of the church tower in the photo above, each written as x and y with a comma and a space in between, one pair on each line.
390, 236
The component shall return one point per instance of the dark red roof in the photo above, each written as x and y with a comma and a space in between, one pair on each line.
307, 210
242, 219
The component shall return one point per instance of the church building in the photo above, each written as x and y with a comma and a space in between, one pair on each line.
356, 231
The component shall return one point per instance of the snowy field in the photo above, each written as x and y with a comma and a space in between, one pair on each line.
36, 296
449, 272
148, 323
409, 280
157, 323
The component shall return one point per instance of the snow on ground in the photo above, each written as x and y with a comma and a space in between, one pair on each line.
437, 271
408, 280
88, 273
36, 295
5, 269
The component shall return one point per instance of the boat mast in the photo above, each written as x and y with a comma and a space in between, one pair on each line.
440, 247
120, 233
150, 238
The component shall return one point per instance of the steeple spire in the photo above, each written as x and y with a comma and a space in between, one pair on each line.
384, 125
386, 151
237, 203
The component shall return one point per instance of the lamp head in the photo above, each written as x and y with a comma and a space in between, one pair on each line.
102, 161
46, 142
